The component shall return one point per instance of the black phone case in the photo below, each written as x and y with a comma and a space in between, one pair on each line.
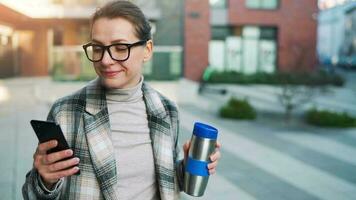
46, 131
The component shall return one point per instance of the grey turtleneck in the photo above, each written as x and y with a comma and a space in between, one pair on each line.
132, 143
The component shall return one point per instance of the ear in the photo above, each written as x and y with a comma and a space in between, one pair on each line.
148, 51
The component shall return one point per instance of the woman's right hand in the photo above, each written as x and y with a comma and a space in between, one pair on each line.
50, 167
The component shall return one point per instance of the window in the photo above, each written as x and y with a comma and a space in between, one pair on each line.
262, 4
218, 3
220, 32
247, 49
259, 49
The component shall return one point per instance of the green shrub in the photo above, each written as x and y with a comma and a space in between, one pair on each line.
330, 119
238, 109
294, 78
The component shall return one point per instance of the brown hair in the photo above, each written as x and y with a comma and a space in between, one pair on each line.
128, 11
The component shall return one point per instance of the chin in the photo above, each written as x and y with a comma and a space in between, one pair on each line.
112, 83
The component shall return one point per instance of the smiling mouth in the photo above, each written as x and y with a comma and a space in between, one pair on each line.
110, 74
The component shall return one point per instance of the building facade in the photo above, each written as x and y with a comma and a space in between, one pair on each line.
250, 36
45, 39
337, 34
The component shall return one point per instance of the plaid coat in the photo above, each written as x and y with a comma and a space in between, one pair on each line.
84, 120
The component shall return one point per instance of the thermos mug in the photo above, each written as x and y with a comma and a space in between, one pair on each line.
202, 145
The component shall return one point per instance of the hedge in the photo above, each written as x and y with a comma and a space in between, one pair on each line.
310, 79
327, 118
238, 109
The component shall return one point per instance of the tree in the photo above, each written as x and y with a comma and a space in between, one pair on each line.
299, 86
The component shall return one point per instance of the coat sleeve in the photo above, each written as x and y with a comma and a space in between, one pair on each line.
33, 187
177, 153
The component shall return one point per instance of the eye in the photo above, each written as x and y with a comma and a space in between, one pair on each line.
97, 48
120, 47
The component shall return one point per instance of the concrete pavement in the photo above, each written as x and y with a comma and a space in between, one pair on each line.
265, 162
262, 159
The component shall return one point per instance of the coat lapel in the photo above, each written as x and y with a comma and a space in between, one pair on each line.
162, 144
97, 131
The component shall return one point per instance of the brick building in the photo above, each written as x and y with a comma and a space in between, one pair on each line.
249, 36
243, 35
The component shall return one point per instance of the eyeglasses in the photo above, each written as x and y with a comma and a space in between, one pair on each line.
117, 51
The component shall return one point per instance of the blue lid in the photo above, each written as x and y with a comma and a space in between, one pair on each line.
205, 131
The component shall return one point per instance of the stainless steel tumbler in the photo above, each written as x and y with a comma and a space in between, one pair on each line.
196, 173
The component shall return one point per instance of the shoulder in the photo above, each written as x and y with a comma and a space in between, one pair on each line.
72, 102
168, 104
157, 99
78, 99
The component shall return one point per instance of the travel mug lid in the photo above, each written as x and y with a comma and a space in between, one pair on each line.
205, 131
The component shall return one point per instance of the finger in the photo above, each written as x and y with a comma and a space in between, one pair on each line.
215, 156
63, 164
44, 147
54, 157
212, 171
186, 145
212, 165
61, 174
218, 145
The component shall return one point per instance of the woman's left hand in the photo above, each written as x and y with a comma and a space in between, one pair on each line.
214, 158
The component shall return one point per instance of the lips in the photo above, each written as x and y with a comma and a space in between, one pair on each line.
110, 74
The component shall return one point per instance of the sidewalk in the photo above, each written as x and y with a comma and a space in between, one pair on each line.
261, 160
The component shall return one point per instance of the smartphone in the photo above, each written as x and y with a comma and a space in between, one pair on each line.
47, 131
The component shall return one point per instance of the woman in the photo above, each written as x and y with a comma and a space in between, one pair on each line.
123, 133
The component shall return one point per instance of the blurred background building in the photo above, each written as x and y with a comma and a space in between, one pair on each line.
250, 36
44, 37
337, 33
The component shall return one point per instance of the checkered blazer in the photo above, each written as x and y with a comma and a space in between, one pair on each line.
84, 120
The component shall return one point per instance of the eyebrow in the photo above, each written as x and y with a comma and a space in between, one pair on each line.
96, 41
112, 42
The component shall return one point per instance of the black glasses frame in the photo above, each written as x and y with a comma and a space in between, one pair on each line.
107, 48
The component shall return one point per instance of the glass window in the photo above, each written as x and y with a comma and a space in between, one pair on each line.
262, 4
218, 3
217, 54
251, 32
268, 33
259, 49
269, 4
246, 49
253, 3
220, 32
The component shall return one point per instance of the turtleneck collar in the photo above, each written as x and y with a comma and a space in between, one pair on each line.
125, 95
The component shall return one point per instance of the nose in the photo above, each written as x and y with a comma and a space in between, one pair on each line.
107, 60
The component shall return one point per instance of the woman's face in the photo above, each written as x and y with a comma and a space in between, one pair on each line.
119, 74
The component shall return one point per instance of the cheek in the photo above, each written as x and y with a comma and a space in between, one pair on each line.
131, 66
96, 67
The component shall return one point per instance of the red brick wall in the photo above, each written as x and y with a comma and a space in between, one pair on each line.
196, 38
297, 29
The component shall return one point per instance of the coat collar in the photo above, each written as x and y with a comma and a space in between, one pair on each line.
95, 97
153, 102
96, 100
